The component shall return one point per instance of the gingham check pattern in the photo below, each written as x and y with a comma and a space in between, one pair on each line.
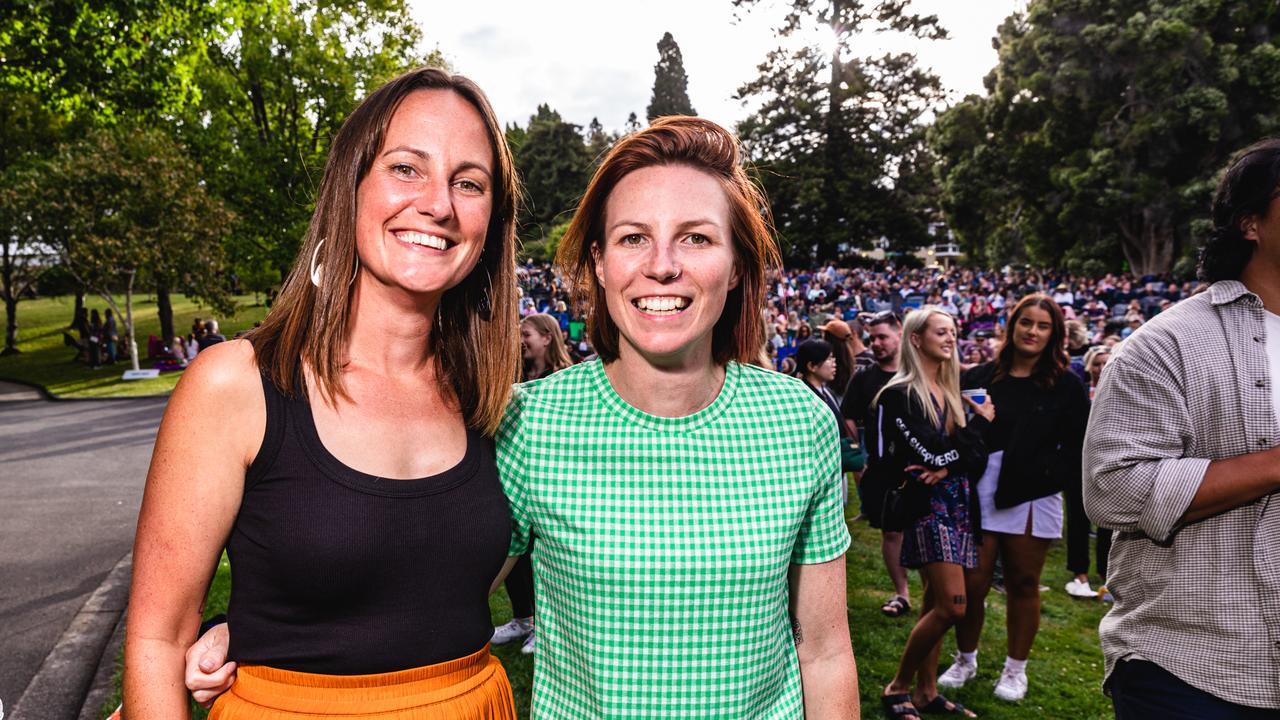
1200, 600
663, 544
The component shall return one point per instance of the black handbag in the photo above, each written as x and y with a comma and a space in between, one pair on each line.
903, 504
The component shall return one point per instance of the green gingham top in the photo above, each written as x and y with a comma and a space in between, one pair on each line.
663, 544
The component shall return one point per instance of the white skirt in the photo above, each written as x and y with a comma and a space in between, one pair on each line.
1046, 512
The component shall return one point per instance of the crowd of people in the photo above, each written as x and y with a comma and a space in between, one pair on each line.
801, 302
666, 509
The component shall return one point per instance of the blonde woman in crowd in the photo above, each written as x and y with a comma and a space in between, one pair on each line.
936, 455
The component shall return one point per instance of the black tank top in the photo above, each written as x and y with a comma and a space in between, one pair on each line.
338, 572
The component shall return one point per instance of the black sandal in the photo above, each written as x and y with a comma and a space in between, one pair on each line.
939, 705
896, 606
899, 706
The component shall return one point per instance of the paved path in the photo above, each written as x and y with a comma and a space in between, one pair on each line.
71, 478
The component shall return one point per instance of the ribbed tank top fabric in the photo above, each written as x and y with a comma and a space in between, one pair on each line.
339, 572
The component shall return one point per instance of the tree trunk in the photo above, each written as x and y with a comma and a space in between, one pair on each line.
10, 293
164, 307
10, 326
834, 156
79, 305
128, 322
1149, 241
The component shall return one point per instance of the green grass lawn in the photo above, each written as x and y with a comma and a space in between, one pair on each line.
45, 361
1065, 669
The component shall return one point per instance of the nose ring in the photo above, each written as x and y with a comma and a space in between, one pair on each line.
677, 274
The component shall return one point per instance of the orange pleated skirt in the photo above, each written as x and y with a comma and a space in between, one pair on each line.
474, 687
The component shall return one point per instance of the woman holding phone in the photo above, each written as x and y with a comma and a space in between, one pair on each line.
926, 440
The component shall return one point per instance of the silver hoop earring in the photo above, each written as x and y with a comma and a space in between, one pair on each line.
316, 270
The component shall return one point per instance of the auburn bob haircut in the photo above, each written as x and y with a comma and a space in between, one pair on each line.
702, 145
309, 326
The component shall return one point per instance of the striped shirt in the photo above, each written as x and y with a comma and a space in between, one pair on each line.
1201, 599
663, 544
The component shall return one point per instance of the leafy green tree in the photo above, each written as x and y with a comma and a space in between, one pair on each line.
554, 165
1104, 126
670, 83
105, 59
838, 140
67, 66
632, 125
27, 127
23, 257
276, 87
123, 206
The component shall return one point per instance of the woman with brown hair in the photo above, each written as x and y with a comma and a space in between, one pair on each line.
542, 346
1035, 444
342, 446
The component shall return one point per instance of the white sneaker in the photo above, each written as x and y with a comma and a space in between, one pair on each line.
1012, 686
958, 674
517, 629
1080, 589
527, 647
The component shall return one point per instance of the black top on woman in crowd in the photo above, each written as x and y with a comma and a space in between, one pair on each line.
830, 401
907, 437
338, 572
856, 405
1039, 428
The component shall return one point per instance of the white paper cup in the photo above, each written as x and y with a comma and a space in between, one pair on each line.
978, 395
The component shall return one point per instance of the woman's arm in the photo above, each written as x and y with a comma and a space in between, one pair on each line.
503, 573
211, 430
1073, 420
820, 627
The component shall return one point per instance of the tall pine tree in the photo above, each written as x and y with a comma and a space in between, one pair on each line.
838, 139
670, 83
554, 166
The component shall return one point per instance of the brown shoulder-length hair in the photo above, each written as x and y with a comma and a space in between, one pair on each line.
309, 326
1053, 360
703, 145
548, 326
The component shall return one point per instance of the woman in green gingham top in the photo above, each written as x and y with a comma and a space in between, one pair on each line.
690, 545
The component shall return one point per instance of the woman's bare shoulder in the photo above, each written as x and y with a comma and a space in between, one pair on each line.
221, 393
225, 368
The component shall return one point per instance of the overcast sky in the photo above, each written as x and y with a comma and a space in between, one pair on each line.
595, 58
